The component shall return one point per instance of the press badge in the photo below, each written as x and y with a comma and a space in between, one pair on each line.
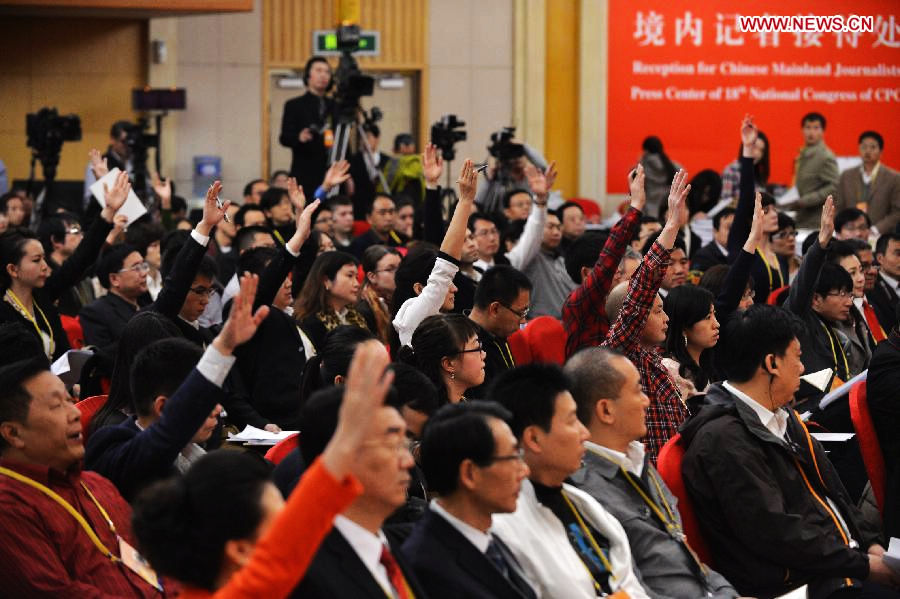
135, 562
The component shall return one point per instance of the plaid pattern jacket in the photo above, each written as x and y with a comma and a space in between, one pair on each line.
666, 411
584, 311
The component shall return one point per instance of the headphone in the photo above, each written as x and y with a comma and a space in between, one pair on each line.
309, 63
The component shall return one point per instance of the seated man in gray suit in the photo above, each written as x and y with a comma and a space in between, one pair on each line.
872, 186
472, 461
611, 404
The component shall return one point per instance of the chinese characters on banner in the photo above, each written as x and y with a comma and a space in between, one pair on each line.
687, 72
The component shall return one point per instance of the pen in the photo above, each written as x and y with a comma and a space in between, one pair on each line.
220, 204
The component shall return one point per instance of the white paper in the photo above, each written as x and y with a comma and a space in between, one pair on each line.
842, 391
818, 379
258, 436
799, 593
832, 437
788, 197
891, 557
68, 366
133, 207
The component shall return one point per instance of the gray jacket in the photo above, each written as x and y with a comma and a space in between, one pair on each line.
664, 564
551, 284
816, 177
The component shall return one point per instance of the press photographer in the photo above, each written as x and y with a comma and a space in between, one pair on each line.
119, 154
507, 171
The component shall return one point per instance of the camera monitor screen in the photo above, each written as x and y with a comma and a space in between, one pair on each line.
158, 98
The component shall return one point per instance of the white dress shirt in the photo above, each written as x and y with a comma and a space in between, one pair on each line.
367, 547
479, 539
632, 460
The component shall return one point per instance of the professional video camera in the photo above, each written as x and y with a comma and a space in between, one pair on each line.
351, 83
502, 147
46, 131
445, 133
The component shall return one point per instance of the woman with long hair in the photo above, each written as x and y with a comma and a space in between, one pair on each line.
445, 347
379, 264
731, 176
30, 290
659, 170
328, 298
693, 330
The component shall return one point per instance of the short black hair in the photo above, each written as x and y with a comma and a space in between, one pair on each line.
278, 173
458, 432
717, 219
881, 245
373, 129
415, 389
255, 260
207, 268
677, 245
593, 377
159, 369
14, 398
848, 215
566, 205
811, 117
241, 215
529, 392
753, 334
501, 283
120, 127
785, 221
248, 188
858, 245
379, 194
403, 139
54, 229
841, 249
505, 199
142, 235
833, 278
112, 261
477, 216
811, 238
872, 135
243, 239
583, 253
272, 197
338, 200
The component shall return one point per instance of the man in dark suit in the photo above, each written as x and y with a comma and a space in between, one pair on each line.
356, 559
123, 271
472, 461
304, 123
883, 296
381, 231
364, 174
716, 251
177, 404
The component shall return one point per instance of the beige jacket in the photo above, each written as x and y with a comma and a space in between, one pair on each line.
816, 176
883, 201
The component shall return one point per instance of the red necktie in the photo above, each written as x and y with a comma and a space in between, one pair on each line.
394, 573
874, 326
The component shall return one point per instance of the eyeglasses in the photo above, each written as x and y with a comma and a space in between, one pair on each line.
841, 294
479, 348
74, 230
207, 291
139, 267
785, 235
487, 232
519, 455
523, 315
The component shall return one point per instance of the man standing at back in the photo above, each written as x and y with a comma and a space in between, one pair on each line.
815, 173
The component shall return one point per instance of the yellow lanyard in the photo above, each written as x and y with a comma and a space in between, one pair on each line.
587, 533
395, 238
830, 332
511, 362
68, 507
769, 271
30, 318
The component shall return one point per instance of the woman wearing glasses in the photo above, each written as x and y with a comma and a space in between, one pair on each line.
379, 264
28, 287
445, 347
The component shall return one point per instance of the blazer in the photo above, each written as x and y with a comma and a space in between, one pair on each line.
449, 566
132, 458
337, 571
882, 203
309, 160
884, 302
104, 320
708, 256
816, 177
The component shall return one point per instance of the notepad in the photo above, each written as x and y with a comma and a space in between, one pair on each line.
257, 436
799, 593
891, 557
832, 437
133, 208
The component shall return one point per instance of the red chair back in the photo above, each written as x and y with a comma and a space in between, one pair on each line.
668, 463
542, 340
360, 227
88, 407
278, 451
592, 212
72, 327
869, 447
774, 298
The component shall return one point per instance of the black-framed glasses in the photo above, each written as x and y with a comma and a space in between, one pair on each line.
479, 348
518, 455
523, 315
139, 267
199, 290
841, 294
785, 235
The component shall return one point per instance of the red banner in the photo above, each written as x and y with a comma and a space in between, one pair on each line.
687, 72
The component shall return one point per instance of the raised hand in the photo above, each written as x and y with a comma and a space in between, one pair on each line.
636, 187
295, 192
550, 175
304, 226
119, 222
163, 190
540, 182
826, 226
749, 134
367, 384
242, 322
677, 198
432, 165
116, 196
212, 213
98, 163
756, 225
467, 182
336, 174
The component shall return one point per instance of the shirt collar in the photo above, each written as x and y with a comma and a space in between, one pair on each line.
480, 539
891, 281
632, 460
775, 422
721, 247
43, 474
366, 545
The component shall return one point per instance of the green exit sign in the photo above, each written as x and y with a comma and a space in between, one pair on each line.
325, 43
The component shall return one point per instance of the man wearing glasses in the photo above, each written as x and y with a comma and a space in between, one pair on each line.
473, 462
61, 236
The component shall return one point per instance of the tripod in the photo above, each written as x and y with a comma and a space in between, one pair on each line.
339, 148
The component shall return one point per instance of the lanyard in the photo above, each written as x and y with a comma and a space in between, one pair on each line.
769, 271
49, 348
68, 507
510, 362
830, 332
593, 541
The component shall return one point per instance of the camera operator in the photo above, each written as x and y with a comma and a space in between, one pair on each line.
507, 171
118, 154
304, 123
365, 174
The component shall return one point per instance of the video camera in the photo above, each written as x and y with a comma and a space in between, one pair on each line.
502, 148
351, 83
46, 131
445, 133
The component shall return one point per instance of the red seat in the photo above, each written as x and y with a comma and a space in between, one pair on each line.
869, 447
88, 407
542, 340
775, 298
360, 227
668, 463
278, 451
592, 212
72, 327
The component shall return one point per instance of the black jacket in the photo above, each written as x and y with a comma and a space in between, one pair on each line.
881, 394
336, 571
884, 302
498, 359
309, 160
707, 257
359, 245
449, 566
104, 321
363, 185
765, 524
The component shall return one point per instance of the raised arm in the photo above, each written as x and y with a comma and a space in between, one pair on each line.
433, 166
740, 226
456, 231
530, 242
801, 293
739, 272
